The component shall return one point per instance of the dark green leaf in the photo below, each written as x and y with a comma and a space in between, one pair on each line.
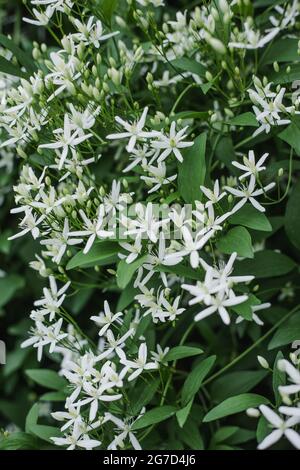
238, 240
8, 286
125, 271
191, 172
266, 263
286, 333
291, 135
278, 378
8, 67
179, 352
47, 378
235, 405
189, 65
154, 416
292, 216
250, 217
236, 383
195, 378
245, 119
101, 253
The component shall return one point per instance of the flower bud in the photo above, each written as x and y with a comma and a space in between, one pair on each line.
263, 362
252, 412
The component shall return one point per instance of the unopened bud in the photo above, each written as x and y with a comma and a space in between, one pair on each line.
263, 362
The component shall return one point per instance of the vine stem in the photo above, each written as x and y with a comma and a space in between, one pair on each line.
251, 348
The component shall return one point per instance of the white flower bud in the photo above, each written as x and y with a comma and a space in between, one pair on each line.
263, 362
252, 412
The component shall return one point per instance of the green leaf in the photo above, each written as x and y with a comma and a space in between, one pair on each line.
190, 115
8, 67
291, 135
142, 396
47, 378
5, 244
250, 217
179, 352
245, 309
238, 240
45, 432
8, 286
182, 415
266, 263
235, 405
127, 297
25, 59
32, 417
236, 383
108, 7
292, 216
20, 441
191, 436
225, 433
263, 429
189, 65
195, 378
245, 119
125, 271
283, 50
278, 378
53, 396
100, 254
283, 76
14, 360
286, 333
154, 416
191, 172
182, 271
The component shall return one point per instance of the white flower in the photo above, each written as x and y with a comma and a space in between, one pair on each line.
249, 193
125, 428
76, 439
172, 143
36, 339
282, 428
92, 32
250, 166
140, 155
203, 291
157, 176
61, 242
114, 345
134, 131
160, 355
268, 106
52, 335
53, 298
72, 416
96, 394
133, 249
170, 311
138, 364
93, 229
106, 318
67, 138
191, 247
145, 223
214, 195
294, 376
30, 222
251, 39
42, 17
219, 303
